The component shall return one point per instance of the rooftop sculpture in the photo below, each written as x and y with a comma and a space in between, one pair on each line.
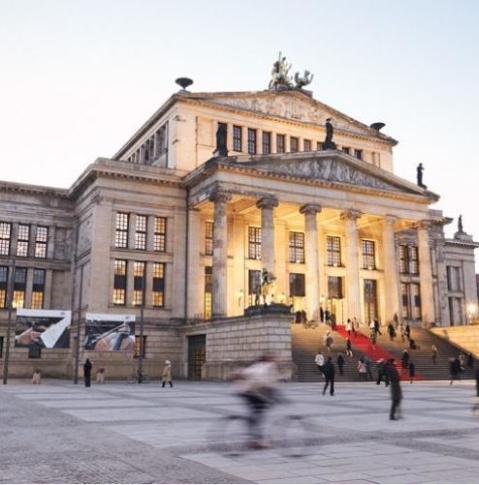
281, 79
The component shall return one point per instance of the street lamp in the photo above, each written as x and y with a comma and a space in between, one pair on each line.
142, 327
9, 322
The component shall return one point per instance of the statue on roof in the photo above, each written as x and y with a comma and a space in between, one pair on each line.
304, 80
328, 143
419, 172
460, 227
221, 139
280, 78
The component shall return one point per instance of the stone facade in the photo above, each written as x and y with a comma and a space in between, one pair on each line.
339, 231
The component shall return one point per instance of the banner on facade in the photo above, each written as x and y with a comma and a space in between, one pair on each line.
105, 332
37, 329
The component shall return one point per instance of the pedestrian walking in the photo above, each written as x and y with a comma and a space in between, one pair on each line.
391, 331
362, 369
434, 353
402, 331
166, 374
407, 331
454, 369
340, 361
462, 362
377, 327
349, 327
396, 392
329, 372
355, 325
319, 361
36, 378
412, 371
381, 369
328, 340
349, 349
87, 367
100, 376
405, 359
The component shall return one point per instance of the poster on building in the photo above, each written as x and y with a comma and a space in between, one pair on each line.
40, 329
105, 332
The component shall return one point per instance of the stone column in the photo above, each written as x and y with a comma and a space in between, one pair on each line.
220, 253
311, 248
353, 289
425, 273
391, 273
267, 205
195, 298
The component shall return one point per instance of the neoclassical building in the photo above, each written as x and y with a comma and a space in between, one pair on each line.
174, 231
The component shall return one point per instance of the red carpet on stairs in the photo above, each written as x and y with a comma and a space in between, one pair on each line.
376, 352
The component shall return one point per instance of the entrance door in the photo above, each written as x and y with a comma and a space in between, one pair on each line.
370, 301
196, 356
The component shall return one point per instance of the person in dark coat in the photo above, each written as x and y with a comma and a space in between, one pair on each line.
329, 372
454, 369
349, 349
470, 361
382, 375
408, 331
395, 385
391, 331
377, 328
340, 361
405, 359
87, 366
412, 371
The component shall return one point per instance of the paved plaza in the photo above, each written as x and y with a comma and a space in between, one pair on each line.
121, 433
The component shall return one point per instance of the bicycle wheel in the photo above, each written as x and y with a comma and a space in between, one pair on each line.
293, 436
229, 436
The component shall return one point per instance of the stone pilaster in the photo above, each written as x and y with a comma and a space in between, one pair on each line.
353, 289
311, 248
220, 253
425, 273
391, 273
267, 205
195, 299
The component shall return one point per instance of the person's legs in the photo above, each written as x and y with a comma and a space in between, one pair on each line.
171, 383
394, 405
325, 388
331, 389
163, 383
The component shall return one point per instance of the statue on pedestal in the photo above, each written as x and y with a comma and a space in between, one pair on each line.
460, 227
221, 138
328, 143
280, 78
306, 79
420, 170
267, 286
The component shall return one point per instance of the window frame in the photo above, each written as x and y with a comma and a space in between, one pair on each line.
333, 251
254, 243
159, 284
296, 251
160, 234
368, 257
294, 140
5, 239
209, 236
120, 277
141, 234
122, 230
237, 138
266, 142
252, 141
25, 239
280, 143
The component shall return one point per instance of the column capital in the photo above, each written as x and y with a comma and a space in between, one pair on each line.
220, 195
268, 202
351, 214
423, 224
310, 209
390, 219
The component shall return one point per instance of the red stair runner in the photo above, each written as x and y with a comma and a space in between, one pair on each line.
375, 352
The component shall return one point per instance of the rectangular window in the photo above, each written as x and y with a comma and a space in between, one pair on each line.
5, 235
254, 242
251, 141
293, 144
280, 143
159, 285
140, 346
237, 138
3, 286
333, 244
296, 247
208, 303
23, 240
209, 228
161, 140
254, 286
403, 259
119, 282
413, 260
159, 238
319, 146
140, 232
335, 287
38, 290
416, 301
411, 301
138, 283
369, 255
296, 285
346, 150
307, 145
405, 300
19, 287
41, 241
358, 154
121, 233
266, 142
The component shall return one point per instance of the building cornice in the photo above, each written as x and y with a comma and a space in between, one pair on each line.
33, 189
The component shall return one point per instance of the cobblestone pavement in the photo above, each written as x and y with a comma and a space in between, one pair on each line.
120, 433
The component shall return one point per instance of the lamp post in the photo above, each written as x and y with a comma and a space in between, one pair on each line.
9, 322
142, 327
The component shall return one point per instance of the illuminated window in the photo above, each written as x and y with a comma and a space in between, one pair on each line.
38, 290
5, 235
3, 286
280, 143
121, 233
23, 239
413, 260
138, 283
237, 138
119, 282
296, 247
251, 141
307, 145
159, 284
41, 241
297, 285
209, 228
254, 242
19, 287
208, 292
159, 238
369, 256
333, 244
140, 232
266, 142
294, 144
140, 346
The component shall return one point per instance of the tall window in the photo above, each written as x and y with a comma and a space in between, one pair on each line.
280, 143
5, 235
369, 256
346, 150
161, 140
38, 290
138, 283
140, 232
413, 260
403, 259
408, 260
254, 242
294, 144
251, 141
333, 244
119, 282
319, 146
358, 154
140, 346
266, 142
237, 138
411, 301
23, 239
209, 228
121, 233
159, 238
296, 285
158, 285
19, 287
370, 300
3, 286
41, 241
254, 286
335, 287
454, 278
307, 145
296, 247
208, 303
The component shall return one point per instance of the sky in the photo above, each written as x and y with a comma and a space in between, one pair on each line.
77, 78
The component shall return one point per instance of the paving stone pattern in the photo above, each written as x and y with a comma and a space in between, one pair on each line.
123, 433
